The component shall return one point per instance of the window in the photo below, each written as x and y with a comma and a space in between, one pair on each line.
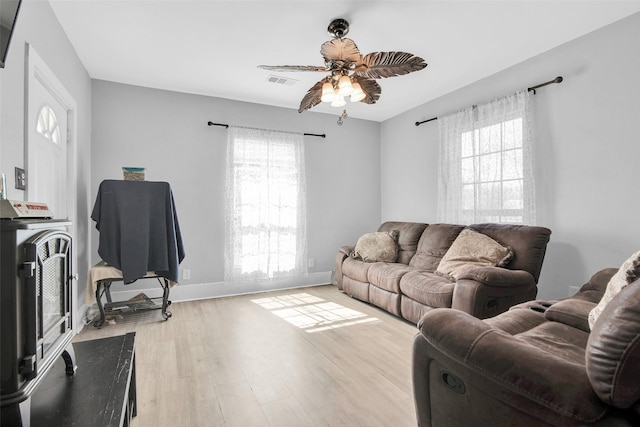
485, 167
265, 206
47, 125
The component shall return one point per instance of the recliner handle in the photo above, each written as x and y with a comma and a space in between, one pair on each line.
453, 382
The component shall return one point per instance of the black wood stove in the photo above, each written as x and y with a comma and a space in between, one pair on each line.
36, 315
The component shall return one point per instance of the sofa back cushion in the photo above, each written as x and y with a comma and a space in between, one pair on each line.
434, 243
613, 351
598, 283
408, 235
529, 244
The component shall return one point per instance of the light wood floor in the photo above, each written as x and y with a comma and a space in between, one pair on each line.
302, 357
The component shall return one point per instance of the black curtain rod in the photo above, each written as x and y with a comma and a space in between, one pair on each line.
531, 89
320, 135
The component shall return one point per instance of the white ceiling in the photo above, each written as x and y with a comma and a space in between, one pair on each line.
212, 47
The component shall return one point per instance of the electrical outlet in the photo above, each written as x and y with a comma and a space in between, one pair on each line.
186, 274
21, 180
311, 262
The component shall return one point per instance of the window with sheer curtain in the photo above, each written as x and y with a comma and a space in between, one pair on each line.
265, 219
486, 165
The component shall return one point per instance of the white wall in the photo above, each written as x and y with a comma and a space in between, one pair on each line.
167, 133
363, 172
38, 26
588, 147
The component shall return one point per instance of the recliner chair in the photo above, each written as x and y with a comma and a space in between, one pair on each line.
538, 364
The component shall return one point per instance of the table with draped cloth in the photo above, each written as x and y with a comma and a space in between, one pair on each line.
139, 236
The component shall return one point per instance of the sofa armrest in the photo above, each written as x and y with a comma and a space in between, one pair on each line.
508, 369
498, 276
488, 291
347, 249
343, 253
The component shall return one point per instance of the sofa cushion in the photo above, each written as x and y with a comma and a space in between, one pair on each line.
598, 283
379, 246
408, 235
558, 339
356, 269
434, 243
472, 249
613, 351
387, 275
628, 272
518, 319
571, 311
427, 288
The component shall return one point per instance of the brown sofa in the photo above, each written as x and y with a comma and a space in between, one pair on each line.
538, 364
410, 287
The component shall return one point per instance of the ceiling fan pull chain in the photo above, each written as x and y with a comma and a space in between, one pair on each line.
344, 115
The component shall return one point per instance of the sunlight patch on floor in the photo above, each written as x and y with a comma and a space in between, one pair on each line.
312, 313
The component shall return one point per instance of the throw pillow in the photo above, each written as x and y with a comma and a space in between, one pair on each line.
379, 246
628, 272
472, 249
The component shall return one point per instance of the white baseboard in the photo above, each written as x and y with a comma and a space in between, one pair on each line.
182, 292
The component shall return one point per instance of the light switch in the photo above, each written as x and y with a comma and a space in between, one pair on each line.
21, 181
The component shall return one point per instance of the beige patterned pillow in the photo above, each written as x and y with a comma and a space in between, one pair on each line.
628, 272
379, 246
472, 249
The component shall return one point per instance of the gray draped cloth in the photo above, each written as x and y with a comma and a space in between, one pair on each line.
139, 229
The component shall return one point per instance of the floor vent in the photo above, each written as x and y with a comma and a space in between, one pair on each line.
281, 80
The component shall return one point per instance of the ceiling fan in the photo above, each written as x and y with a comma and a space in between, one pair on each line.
351, 74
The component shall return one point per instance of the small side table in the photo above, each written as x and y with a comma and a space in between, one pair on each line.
101, 393
99, 282
104, 287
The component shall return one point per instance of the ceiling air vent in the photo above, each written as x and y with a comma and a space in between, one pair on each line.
281, 80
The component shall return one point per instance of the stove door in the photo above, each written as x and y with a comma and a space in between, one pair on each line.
48, 303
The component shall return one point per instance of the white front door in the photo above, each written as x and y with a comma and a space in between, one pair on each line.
51, 147
47, 159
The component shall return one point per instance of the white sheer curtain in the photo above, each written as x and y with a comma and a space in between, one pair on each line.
486, 163
265, 206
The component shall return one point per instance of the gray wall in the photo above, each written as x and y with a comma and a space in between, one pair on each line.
586, 155
38, 26
167, 133
363, 172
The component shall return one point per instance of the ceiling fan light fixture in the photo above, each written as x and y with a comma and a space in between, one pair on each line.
338, 101
357, 94
328, 93
344, 86
350, 73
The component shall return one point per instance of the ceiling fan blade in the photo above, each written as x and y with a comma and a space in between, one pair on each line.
312, 98
294, 68
371, 89
377, 65
340, 50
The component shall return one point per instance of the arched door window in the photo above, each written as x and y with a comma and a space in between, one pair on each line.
47, 125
